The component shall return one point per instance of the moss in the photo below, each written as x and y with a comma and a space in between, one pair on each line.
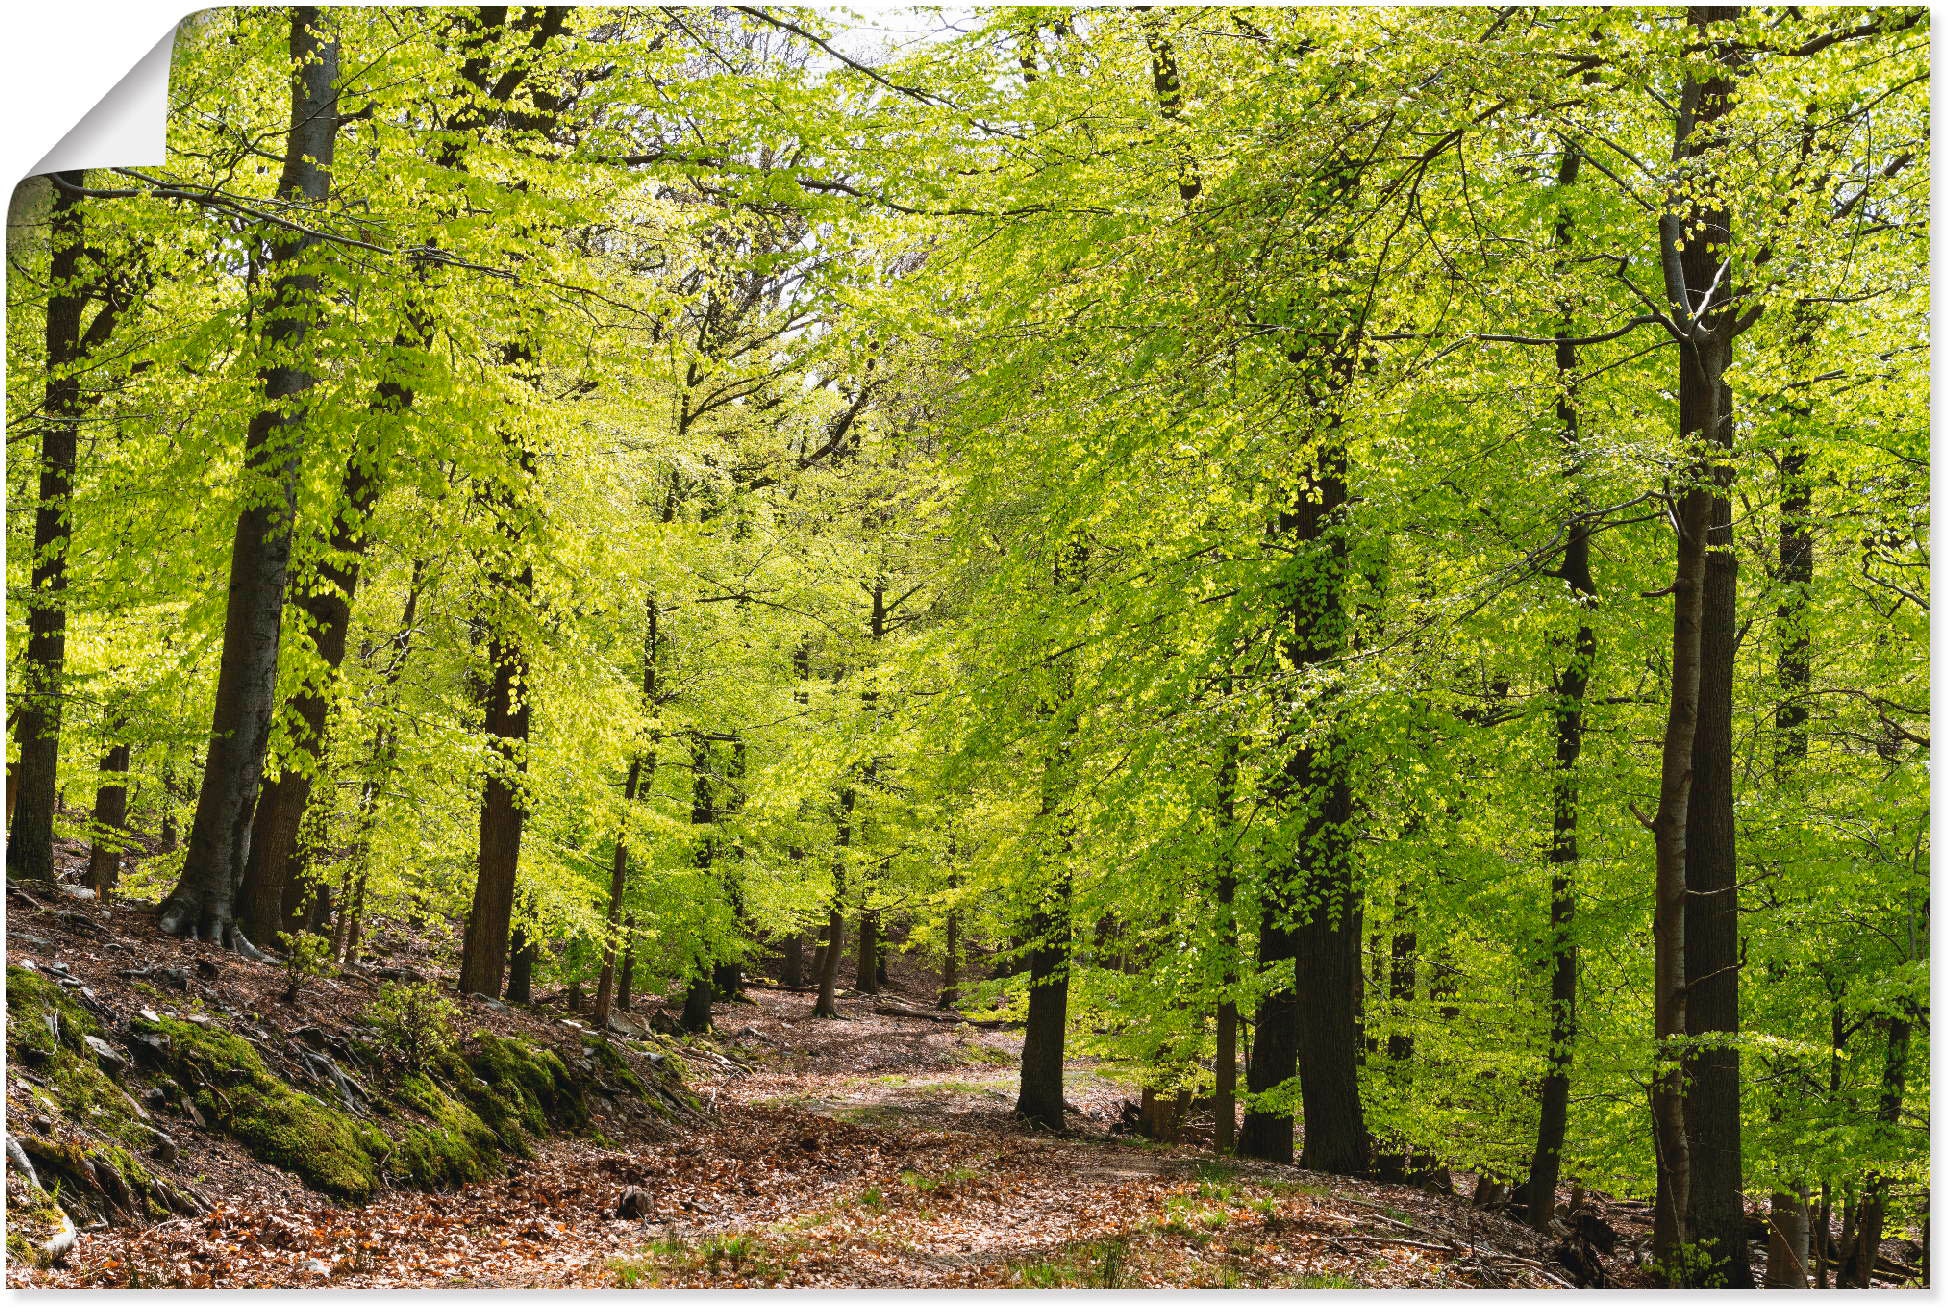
328, 1150
527, 1087
612, 1069
68, 1163
45, 1029
32, 1220
458, 1148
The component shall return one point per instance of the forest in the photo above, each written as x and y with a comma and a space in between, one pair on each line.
1364, 568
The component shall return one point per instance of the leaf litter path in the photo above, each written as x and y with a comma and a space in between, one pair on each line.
874, 1150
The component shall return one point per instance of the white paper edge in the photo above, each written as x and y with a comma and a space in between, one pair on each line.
128, 127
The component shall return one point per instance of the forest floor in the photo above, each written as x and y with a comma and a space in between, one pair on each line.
877, 1149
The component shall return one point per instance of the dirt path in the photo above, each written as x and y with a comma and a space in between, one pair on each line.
869, 1151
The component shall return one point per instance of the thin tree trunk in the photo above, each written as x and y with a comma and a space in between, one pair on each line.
111, 819
635, 783
827, 1006
1224, 1093
1571, 687
203, 902
503, 809
950, 965
627, 984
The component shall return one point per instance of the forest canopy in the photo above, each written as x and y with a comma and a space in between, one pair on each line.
1370, 562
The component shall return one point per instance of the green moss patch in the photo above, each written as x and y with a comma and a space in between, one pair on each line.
327, 1149
457, 1148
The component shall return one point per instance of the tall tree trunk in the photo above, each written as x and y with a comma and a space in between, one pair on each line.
791, 965
37, 714
1693, 237
1571, 687
203, 902
273, 893
950, 966
111, 818
701, 991
1712, 1120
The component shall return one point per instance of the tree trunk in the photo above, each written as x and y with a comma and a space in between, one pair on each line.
520, 969
503, 812
792, 961
950, 965
111, 818
273, 893
1716, 1220
1786, 1260
1224, 1093
696, 1003
203, 902
1571, 687
627, 984
1328, 971
1267, 1134
827, 1006
612, 923
1858, 1256
1045, 1039
37, 719
866, 978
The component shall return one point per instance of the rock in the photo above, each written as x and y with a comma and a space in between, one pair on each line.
400, 974
156, 1098
486, 1001
76, 891
174, 977
105, 1056
61, 1243
633, 1205
43, 1124
195, 1113
206, 968
150, 1050
164, 1149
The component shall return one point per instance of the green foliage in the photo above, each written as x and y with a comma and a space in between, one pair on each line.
306, 956
414, 1023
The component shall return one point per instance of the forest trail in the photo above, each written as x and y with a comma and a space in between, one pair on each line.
873, 1150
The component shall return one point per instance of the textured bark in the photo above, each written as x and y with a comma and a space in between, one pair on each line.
37, 712
950, 964
791, 965
203, 902
1571, 687
1712, 1120
111, 819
